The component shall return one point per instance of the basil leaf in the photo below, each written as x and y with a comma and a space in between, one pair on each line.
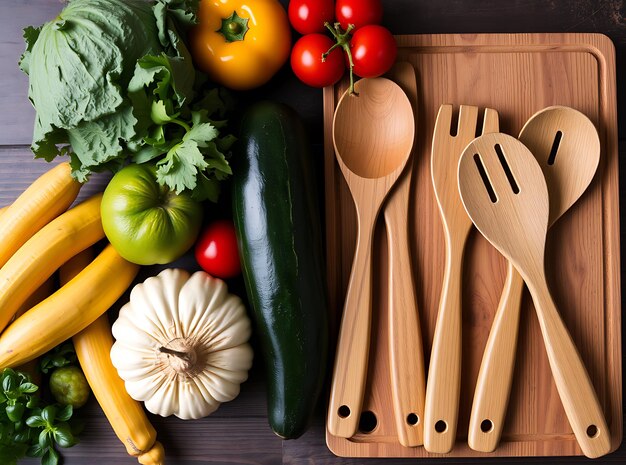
50, 457
44, 439
63, 436
28, 388
65, 413
22, 436
36, 421
9, 383
35, 451
49, 413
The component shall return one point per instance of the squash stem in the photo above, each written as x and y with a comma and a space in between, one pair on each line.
182, 355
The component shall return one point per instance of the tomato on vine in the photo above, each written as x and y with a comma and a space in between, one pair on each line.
309, 16
373, 50
370, 49
358, 12
309, 66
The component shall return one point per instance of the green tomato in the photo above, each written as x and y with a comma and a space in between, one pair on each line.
148, 223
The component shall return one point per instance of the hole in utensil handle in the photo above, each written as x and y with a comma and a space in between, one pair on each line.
343, 411
441, 426
486, 426
592, 431
412, 419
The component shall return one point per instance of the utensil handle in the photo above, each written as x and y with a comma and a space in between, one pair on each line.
406, 351
493, 386
577, 394
350, 370
444, 372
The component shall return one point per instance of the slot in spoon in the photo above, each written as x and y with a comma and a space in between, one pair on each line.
505, 194
566, 145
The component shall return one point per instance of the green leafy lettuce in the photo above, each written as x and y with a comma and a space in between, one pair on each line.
112, 82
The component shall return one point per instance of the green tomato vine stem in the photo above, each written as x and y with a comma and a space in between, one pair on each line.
342, 39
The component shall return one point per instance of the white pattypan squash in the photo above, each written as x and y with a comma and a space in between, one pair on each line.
181, 344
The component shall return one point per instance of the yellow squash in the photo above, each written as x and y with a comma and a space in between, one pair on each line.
69, 310
32, 367
127, 417
45, 199
45, 252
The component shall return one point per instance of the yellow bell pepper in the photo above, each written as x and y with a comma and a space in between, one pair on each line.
240, 44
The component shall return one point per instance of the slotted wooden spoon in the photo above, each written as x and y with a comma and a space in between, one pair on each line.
444, 373
406, 352
373, 137
566, 145
505, 194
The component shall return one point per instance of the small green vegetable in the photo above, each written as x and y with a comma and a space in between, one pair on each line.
69, 386
112, 81
28, 428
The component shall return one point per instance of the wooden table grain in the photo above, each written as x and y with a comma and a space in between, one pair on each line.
238, 432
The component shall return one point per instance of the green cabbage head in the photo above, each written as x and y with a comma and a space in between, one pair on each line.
79, 67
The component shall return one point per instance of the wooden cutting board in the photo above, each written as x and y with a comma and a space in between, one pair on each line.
517, 74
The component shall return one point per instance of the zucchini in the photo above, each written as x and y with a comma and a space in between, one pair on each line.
278, 227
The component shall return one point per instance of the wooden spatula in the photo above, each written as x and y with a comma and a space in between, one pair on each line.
444, 373
506, 196
566, 145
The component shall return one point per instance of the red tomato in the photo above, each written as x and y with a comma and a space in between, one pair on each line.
307, 64
216, 250
309, 16
358, 12
374, 51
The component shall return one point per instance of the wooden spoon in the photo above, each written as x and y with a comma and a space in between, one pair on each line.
373, 136
406, 348
505, 194
566, 145
443, 387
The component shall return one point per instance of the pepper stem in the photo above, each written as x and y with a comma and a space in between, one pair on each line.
234, 28
342, 39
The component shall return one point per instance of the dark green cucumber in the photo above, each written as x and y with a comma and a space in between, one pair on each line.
276, 215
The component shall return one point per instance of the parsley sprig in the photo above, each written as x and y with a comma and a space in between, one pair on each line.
183, 126
28, 428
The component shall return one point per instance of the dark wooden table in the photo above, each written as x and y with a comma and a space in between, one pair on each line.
238, 432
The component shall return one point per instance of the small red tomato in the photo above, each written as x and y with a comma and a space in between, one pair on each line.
373, 50
307, 64
309, 16
358, 12
216, 250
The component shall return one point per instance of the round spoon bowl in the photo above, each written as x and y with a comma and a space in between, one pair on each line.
567, 147
373, 137
373, 132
